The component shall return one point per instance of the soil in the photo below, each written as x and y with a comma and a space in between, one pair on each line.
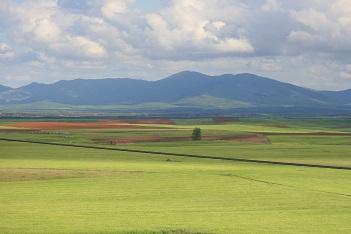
256, 138
23, 174
77, 125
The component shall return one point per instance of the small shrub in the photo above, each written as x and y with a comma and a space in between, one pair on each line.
196, 135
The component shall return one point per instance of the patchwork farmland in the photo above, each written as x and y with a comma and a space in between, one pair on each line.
55, 188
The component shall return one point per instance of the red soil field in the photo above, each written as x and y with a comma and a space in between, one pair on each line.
140, 121
139, 139
77, 125
257, 138
151, 121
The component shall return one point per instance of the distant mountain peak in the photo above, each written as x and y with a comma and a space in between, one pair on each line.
182, 73
4, 88
194, 87
186, 75
248, 75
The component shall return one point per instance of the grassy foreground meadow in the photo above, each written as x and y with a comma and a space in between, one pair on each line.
55, 189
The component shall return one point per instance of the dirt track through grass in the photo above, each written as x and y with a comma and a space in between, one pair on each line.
183, 155
24, 174
285, 185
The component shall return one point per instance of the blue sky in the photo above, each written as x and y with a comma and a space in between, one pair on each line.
304, 42
149, 4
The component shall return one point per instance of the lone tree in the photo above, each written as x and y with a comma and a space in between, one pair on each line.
196, 136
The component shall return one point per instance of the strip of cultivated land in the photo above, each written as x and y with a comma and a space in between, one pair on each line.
300, 141
235, 159
55, 189
110, 187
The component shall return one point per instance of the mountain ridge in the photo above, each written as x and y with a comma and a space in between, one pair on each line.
4, 88
250, 89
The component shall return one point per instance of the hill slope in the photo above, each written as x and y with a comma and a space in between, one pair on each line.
4, 88
184, 88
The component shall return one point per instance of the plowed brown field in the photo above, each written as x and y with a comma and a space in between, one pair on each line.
257, 138
77, 125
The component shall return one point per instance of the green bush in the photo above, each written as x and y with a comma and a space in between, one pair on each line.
196, 135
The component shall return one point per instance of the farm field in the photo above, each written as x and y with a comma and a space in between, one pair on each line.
55, 189
316, 141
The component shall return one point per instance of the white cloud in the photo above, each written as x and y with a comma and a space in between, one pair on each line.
233, 45
6, 52
111, 8
312, 18
45, 30
192, 28
301, 36
342, 7
265, 65
82, 47
271, 5
346, 72
219, 25
328, 30
67, 38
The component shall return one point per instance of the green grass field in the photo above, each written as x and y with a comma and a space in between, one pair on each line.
54, 189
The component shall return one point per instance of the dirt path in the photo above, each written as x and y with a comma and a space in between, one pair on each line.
285, 185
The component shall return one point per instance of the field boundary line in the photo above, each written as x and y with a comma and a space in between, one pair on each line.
182, 155
285, 185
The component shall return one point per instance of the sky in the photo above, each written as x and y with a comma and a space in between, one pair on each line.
304, 42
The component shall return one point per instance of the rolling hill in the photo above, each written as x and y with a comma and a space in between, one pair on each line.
186, 88
4, 88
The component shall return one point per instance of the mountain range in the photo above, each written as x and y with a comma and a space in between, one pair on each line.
182, 89
4, 88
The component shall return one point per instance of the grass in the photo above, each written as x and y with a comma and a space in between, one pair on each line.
138, 194
52, 189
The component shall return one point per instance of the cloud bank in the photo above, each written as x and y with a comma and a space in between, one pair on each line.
303, 42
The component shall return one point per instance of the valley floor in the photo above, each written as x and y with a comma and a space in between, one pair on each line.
53, 189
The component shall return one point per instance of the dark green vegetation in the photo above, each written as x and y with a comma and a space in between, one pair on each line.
52, 189
196, 135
